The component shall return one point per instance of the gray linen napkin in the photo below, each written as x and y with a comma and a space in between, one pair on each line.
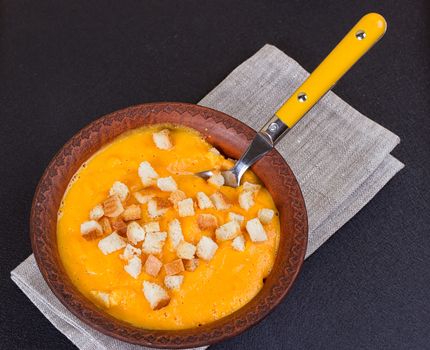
340, 158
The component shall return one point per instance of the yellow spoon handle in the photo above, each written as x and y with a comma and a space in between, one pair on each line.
353, 46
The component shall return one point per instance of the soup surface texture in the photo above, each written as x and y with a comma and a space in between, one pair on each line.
217, 287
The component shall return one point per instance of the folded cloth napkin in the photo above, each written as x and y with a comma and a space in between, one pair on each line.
340, 158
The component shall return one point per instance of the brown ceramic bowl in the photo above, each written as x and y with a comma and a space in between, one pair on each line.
227, 134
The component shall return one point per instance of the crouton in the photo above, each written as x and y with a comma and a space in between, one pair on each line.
265, 215
185, 250
162, 139
156, 295
112, 206
91, 229
186, 207
207, 221
135, 232
167, 184
154, 242
134, 267
227, 231
206, 248
238, 243
97, 212
175, 232
143, 198
203, 201
105, 224
256, 230
102, 298
147, 174
163, 203
173, 282
236, 217
220, 201
216, 180
152, 227
119, 226
154, 210
174, 267
246, 200
213, 150
177, 196
247, 186
120, 189
132, 212
153, 265
129, 252
191, 264
111, 243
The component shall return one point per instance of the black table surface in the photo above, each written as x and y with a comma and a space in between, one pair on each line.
65, 63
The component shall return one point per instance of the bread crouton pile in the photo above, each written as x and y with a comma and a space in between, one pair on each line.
119, 224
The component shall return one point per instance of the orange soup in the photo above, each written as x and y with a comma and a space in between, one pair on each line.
158, 247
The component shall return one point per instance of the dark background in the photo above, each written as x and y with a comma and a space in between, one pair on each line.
65, 63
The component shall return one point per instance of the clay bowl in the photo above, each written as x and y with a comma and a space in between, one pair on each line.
231, 137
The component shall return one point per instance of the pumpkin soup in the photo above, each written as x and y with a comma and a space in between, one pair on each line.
156, 246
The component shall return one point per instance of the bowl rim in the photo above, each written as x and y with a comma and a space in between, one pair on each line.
149, 113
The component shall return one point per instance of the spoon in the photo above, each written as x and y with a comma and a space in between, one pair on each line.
350, 49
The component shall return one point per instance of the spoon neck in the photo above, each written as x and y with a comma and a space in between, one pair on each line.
260, 145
